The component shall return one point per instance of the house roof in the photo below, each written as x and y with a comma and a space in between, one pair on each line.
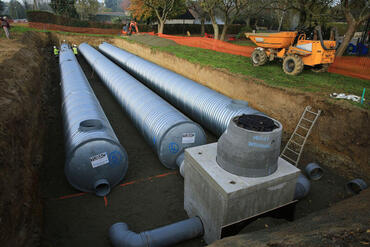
186, 16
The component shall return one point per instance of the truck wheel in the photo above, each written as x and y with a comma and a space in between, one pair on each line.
292, 65
259, 57
320, 68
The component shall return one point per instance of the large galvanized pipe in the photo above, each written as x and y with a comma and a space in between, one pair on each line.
167, 130
95, 160
169, 235
206, 106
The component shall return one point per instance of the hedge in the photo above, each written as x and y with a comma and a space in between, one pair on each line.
48, 17
196, 28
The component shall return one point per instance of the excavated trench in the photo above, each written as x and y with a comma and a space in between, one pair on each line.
41, 208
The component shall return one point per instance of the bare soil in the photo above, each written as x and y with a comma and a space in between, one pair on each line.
23, 76
344, 224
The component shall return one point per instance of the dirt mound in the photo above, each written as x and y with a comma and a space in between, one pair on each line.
49, 26
8, 47
78, 39
151, 40
22, 73
344, 224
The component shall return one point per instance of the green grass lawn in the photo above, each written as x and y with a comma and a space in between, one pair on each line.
272, 73
242, 42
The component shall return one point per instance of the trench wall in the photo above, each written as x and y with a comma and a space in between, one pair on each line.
22, 82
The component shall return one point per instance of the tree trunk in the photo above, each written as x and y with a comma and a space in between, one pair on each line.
302, 18
215, 26
202, 26
352, 26
224, 31
160, 26
248, 23
281, 21
215, 31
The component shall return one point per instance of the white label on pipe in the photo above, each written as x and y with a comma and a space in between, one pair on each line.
99, 160
260, 39
188, 138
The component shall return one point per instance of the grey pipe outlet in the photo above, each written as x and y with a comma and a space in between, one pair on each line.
95, 160
165, 129
314, 171
169, 235
355, 186
302, 187
206, 106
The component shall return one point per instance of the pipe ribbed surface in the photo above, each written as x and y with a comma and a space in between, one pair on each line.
169, 235
167, 130
95, 160
209, 108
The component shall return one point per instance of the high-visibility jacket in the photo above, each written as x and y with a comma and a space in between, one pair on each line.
75, 50
56, 51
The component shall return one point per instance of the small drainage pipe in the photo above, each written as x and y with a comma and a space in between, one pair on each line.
314, 171
355, 186
121, 236
102, 187
302, 187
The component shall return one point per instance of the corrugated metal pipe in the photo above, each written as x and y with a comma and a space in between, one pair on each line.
167, 130
95, 160
206, 106
168, 235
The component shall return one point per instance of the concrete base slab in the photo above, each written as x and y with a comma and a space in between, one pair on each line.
220, 198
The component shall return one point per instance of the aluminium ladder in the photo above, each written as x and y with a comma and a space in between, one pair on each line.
294, 148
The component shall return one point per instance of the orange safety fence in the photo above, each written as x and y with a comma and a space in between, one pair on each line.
211, 44
358, 67
89, 30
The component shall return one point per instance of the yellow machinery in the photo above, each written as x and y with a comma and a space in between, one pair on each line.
295, 50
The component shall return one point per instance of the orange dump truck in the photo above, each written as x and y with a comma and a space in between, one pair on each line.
294, 49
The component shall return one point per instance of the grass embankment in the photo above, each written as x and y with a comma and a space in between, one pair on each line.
272, 73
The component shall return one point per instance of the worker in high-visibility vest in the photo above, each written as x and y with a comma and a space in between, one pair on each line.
56, 51
75, 51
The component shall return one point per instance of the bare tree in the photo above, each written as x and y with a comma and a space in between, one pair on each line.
86, 8
210, 7
164, 9
353, 21
253, 9
281, 8
194, 5
231, 9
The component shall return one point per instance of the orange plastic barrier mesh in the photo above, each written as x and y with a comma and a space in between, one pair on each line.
211, 44
48, 26
358, 67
